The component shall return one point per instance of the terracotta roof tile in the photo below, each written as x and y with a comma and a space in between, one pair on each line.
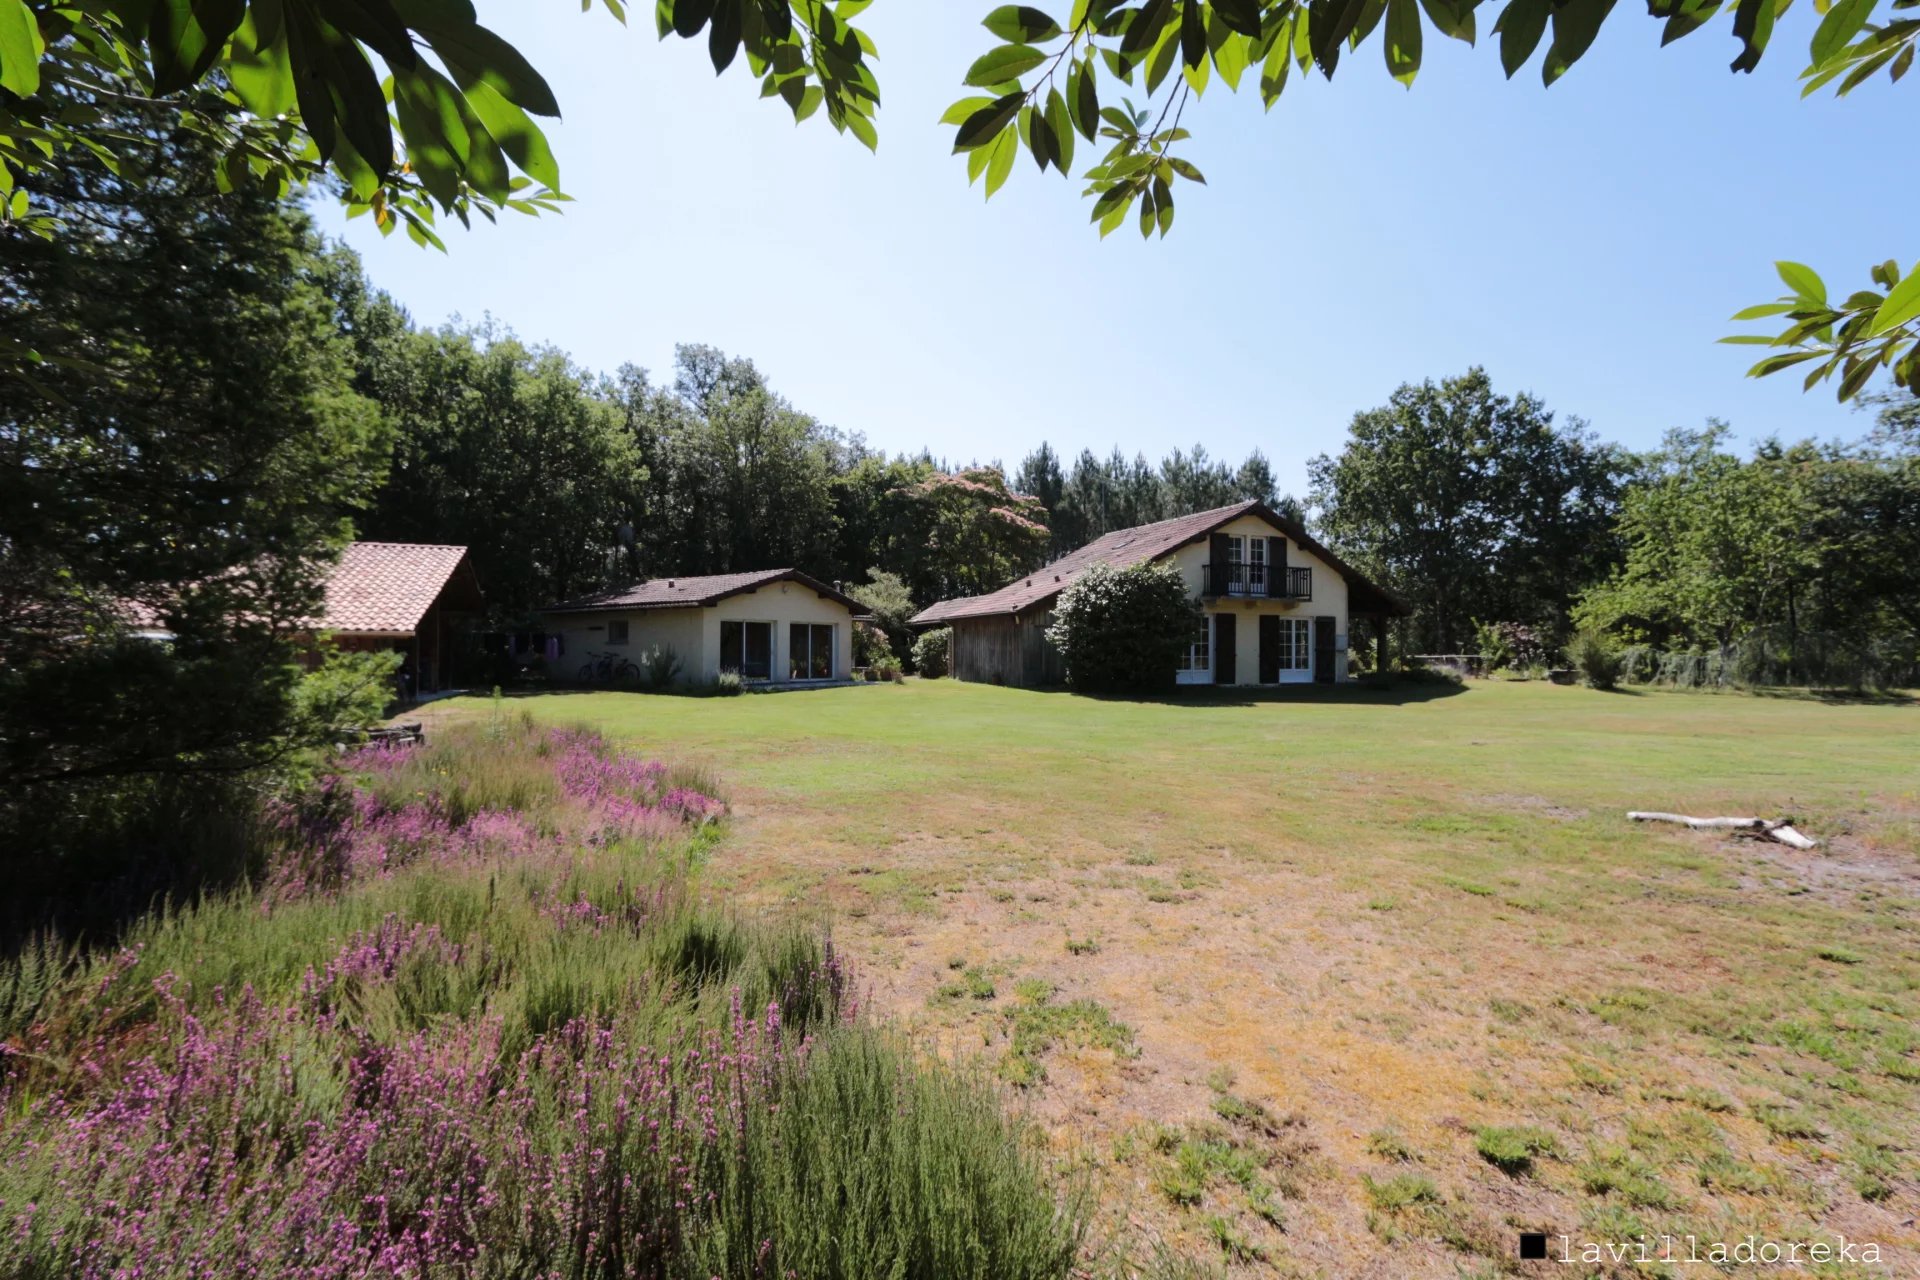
387, 587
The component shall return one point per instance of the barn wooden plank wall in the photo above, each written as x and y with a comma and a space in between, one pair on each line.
1005, 649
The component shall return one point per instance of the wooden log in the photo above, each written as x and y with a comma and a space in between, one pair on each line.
1780, 830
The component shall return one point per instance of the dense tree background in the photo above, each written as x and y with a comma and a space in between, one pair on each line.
1477, 506
563, 480
1800, 564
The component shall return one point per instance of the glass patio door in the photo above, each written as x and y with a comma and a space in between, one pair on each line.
809, 652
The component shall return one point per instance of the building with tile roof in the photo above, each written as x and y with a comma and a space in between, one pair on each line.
414, 597
419, 599
1242, 561
770, 626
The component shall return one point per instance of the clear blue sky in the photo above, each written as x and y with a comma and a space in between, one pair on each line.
1585, 243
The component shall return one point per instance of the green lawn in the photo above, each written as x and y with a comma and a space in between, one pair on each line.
1372, 980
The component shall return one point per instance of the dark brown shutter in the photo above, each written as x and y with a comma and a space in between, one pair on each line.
1216, 584
1226, 627
1276, 566
1269, 648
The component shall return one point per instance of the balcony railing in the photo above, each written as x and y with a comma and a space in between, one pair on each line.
1236, 578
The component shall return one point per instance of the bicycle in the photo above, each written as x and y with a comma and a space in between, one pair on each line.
608, 668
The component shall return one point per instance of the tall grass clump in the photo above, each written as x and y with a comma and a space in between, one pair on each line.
476, 1018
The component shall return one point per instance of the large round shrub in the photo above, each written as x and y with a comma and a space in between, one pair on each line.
933, 652
1123, 630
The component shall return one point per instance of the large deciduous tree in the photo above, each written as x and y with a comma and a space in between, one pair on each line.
1471, 504
972, 532
186, 469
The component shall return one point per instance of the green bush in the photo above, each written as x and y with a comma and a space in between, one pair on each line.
870, 645
885, 668
1594, 657
728, 684
933, 652
659, 667
886, 597
1123, 630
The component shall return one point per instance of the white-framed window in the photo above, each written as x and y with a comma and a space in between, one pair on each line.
747, 647
1248, 556
1199, 654
616, 631
809, 651
1296, 644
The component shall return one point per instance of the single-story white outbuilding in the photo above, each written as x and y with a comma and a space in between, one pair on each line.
773, 626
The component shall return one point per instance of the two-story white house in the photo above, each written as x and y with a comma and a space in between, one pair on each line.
1277, 604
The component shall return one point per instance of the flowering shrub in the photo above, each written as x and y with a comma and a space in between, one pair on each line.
1510, 644
1123, 630
933, 652
458, 1039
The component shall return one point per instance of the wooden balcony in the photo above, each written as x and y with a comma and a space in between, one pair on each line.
1256, 581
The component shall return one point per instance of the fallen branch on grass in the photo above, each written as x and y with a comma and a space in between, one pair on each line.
1779, 830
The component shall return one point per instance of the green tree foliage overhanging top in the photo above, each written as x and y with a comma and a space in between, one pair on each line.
414, 107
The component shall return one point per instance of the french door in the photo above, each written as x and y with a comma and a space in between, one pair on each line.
1286, 650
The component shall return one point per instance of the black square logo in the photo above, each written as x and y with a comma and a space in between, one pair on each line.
1533, 1244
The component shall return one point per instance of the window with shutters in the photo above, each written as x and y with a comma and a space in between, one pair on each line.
1296, 644
1198, 656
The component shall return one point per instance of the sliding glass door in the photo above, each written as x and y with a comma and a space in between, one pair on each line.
809, 652
747, 647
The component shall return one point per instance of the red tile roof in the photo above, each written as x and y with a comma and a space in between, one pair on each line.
377, 588
1126, 547
685, 593
385, 588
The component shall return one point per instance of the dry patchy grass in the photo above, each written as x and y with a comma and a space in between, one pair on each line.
1223, 946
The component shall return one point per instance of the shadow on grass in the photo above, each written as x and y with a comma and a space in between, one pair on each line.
671, 691
1353, 693
1781, 693
1838, 697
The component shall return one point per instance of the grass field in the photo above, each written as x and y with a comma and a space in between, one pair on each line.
1362, 984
